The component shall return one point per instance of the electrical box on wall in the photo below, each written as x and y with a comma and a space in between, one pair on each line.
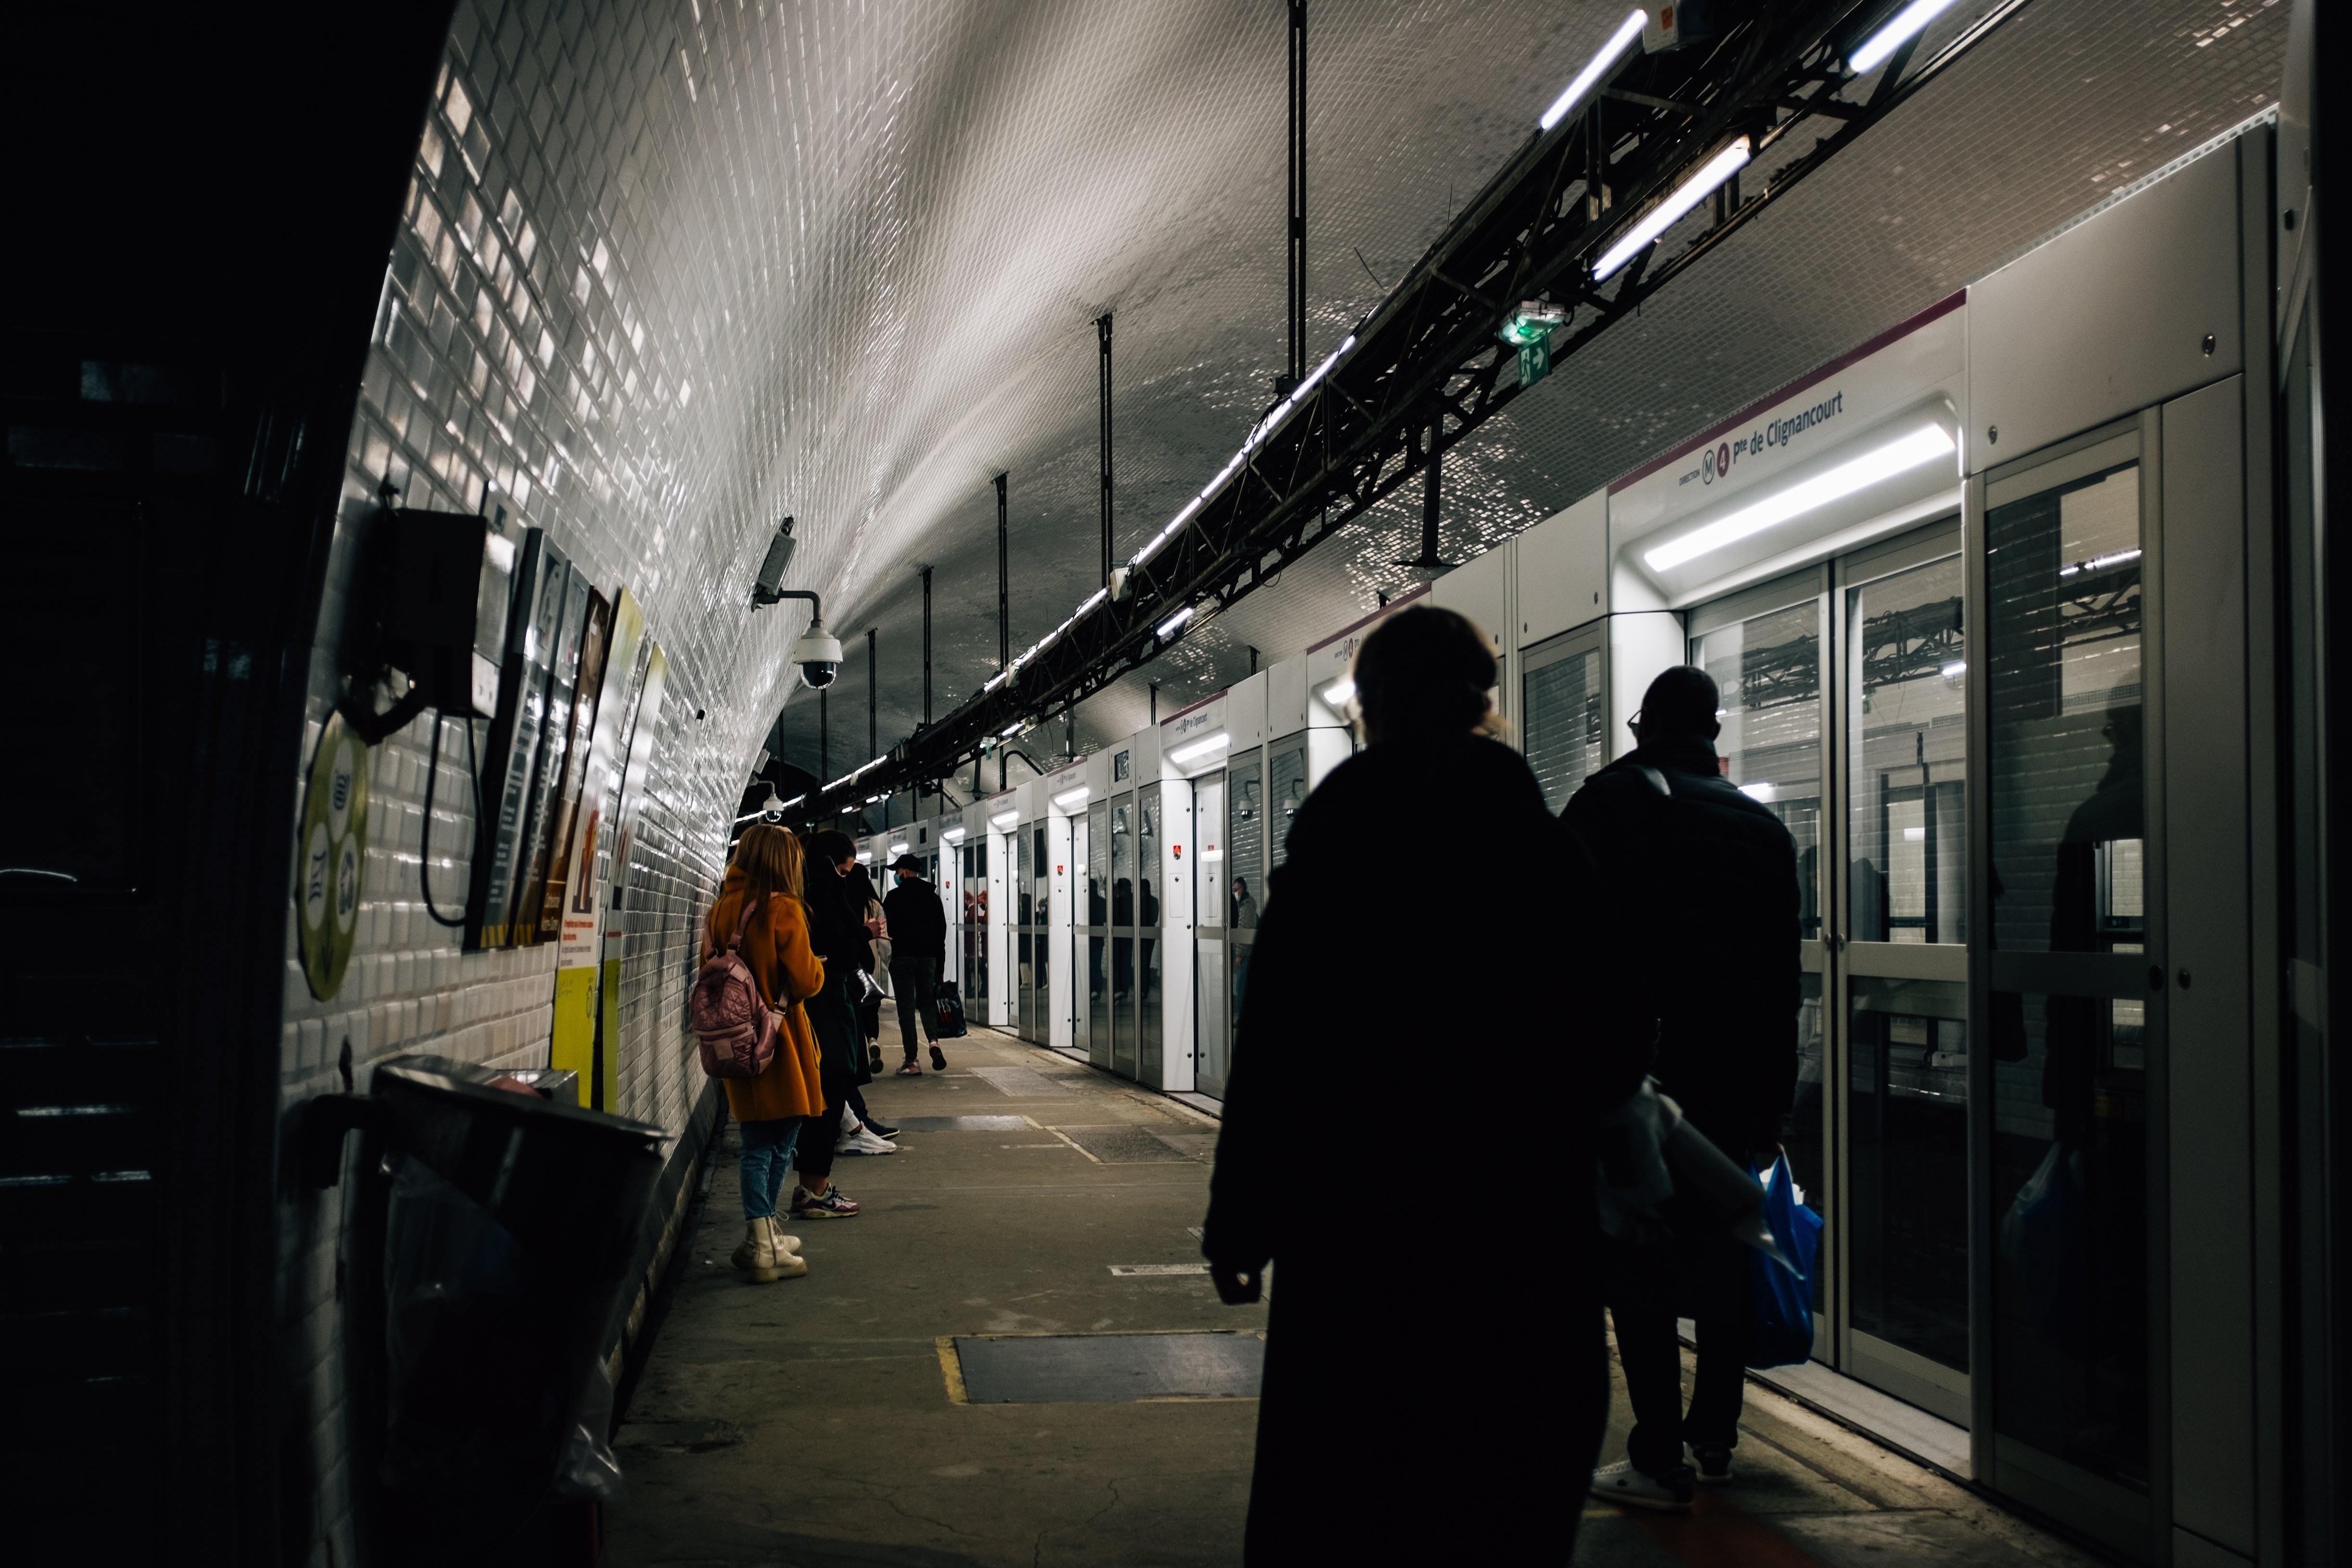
430, 601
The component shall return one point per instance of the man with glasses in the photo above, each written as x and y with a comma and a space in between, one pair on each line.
1705, 880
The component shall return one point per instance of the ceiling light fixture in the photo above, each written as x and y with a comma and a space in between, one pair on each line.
1668, 213
1009, 730
1898, 456
1598, 66
900, 848
1905, 27
1004, 820
953, 834
1337, 694
1169, 626
1070, 797
1195, 750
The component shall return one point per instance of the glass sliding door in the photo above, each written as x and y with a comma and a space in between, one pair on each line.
1024, 1017
1041, 930
1212, 909
1122, 935
2071, 1019
1075, 954
1563, 701
1901, 967
1245, 872
1150, 1034
1097, 934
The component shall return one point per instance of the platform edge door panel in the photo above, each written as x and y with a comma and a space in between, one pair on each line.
1122, 935
1024, 1022
1099, 934
1899, 964
2069, 1185
1212, 902
1150, 882
1069, 944
1178, 871
1040, 927
1564, 711
2210, 1059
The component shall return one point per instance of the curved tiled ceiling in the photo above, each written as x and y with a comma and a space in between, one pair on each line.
843, 261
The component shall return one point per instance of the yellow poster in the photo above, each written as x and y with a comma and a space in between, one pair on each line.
575, 1043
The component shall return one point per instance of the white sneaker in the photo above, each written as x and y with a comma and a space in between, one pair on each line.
1622, 1483
864, 1143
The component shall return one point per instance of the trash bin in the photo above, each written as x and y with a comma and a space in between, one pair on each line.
510, 1236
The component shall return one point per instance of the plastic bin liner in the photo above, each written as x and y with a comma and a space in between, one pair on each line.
1781, 1298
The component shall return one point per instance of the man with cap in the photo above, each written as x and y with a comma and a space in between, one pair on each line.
1704, 878
919, 946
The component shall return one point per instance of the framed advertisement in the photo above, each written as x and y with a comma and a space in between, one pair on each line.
595, 637
507, 759
588, 858
533, 849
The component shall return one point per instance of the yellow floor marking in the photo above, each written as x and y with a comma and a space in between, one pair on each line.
951, 1368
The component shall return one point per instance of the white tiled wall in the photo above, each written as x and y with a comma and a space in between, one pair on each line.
526, 355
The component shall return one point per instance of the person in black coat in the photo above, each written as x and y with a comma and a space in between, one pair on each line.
1398, 1374
919, 946
1708, 878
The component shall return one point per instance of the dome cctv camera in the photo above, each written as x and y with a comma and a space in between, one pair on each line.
818, 653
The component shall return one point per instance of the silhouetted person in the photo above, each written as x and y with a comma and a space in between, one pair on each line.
1244, 907
919, 946
1705, 880
1374, 1448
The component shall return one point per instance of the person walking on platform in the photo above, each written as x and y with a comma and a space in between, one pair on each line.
868, 905
762, 899
919, 946
837, 935
1350, 958
1707, 877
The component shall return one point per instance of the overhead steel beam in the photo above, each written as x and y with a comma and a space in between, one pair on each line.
1428, 358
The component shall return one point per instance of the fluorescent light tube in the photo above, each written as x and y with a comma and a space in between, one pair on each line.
1070, 797
1954, 671
1758, 791
1590, 77
1169, 627
953, 834
1004, 819
900, 848
1008, 732
1668, 213
1195, 749
1338, 692
865, 856
1924, 445
1905, 27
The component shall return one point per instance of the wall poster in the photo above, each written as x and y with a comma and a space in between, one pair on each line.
589, 859
595, 637
534, 843
636, 777
508, 759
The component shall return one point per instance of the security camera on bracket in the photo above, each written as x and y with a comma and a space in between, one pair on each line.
818, 653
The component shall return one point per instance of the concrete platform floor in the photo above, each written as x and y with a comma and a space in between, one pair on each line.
809, 1423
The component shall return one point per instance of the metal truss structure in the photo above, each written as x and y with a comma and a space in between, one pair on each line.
1426, 367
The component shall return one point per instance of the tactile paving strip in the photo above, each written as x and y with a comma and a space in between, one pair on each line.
1102, 1369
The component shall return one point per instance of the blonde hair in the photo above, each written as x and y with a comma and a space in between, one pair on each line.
771, 860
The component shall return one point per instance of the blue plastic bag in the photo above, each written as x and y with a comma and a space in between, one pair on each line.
1781, 1304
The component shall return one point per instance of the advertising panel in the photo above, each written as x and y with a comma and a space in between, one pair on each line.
589, 859
508, 759
533, 844
595, 641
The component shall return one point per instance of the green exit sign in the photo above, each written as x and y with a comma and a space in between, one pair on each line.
1535, 360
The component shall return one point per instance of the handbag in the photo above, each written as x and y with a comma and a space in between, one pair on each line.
947, 1012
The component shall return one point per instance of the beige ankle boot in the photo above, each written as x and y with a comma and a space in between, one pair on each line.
788, 1262
784, 1242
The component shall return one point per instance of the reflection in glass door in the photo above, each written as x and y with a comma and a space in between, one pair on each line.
1903, 968
1244, 873
1041, 867
1097, 934
1149, 1031
2070, 1023
1122, 935
1212, 904
1024, 1021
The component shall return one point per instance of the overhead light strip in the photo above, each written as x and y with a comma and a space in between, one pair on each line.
1195, 750
1908, 25
1668, 213
1901, 455
1070, 797
1600, 65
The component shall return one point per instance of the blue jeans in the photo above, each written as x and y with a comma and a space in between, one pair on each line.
767, 1160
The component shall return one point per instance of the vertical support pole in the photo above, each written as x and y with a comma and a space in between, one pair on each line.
1430, 487
1253, 653
1297, 156
1595, 201
926, 647
1155, 702
1102, 381
1003, 592
823, 735
873, 698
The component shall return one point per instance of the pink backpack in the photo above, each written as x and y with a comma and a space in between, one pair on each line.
736, 1031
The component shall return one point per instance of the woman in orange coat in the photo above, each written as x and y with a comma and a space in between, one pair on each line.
771, 1108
